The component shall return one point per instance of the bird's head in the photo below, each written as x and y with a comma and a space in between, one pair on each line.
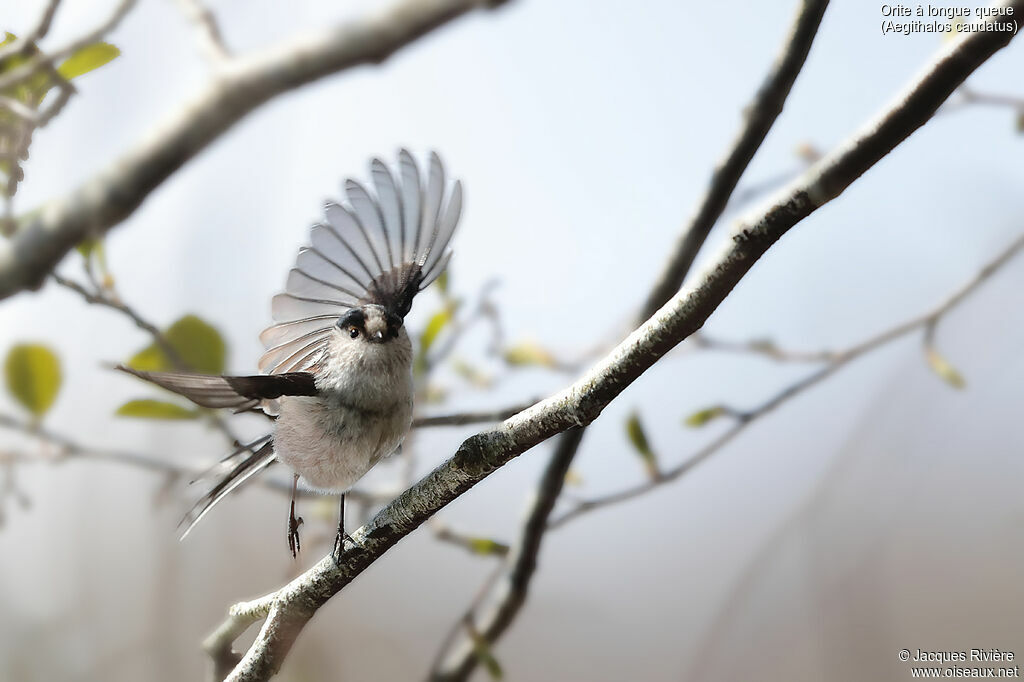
370, 323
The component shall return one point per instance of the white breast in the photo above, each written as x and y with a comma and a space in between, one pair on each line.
331, 446
362, 413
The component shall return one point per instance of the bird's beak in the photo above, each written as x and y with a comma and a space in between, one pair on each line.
378, 336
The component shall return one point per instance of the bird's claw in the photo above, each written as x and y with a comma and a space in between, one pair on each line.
339, 546
293, 535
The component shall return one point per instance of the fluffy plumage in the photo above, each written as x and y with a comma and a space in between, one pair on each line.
337, 370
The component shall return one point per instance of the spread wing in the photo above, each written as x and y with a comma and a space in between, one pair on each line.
237, 393
382, 246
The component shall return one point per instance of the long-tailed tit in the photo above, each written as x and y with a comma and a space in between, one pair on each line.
337, 372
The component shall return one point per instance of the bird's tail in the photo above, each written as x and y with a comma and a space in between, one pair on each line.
240, 466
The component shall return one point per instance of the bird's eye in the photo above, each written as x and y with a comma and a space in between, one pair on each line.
353, 332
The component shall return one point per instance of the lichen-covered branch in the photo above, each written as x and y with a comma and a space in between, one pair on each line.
477, 457
241, 85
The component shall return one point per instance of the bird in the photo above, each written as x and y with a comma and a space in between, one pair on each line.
336, 374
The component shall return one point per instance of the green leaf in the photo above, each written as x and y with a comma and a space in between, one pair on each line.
433, 394
87, 246
474, 375
198, 344
155, 409
487, 547
946, 371
33, 376
434, 327
638, 437
763, 345
702, 417
528, 353
86, 59
482, 649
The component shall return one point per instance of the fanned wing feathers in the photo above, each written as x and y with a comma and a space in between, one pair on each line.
381, 247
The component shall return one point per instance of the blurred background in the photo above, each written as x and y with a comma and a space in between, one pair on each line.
877, 511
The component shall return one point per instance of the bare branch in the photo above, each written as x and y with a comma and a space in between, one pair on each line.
470, 543
969, 96
19, 109
48, 60
511, 588
23, 44
760, 116
70, 448
464, 418
763, 347
115, 192
207, 29
744, 418
100, 299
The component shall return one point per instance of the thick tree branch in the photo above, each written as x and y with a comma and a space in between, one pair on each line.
240, 86
459, 657
290, 608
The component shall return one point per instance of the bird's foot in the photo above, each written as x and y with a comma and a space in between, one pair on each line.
339, 546
293, 535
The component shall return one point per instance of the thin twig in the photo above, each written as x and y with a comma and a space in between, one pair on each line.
24, 44
466, 618
49, 59
760, 116
470, 543
458, 658
927, 322
464, 418
210, 39
101, 299
68, 447
764, 348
